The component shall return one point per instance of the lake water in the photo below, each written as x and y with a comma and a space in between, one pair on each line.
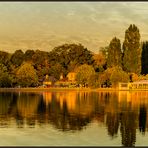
70, 118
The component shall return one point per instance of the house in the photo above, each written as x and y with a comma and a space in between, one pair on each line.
71, 76
62, 82
68, 81
142, 84
49, 81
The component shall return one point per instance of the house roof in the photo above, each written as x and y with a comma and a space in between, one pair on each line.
50, 78
141, 82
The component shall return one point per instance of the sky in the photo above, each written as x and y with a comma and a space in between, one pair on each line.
45, 25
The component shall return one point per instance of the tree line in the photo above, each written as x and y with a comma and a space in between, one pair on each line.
112, 64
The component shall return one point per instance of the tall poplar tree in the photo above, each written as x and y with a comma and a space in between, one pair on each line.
114, 53
132, 50
144, 58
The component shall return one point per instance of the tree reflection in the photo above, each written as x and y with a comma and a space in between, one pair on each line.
68, 113
112, 123
142, 118
19, 121
128, 128
27, 105
73, 111
5, 101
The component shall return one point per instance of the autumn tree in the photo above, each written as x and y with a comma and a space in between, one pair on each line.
26, 75
84, 73
93, 81
114, 53
114, 75
99, 61
103, 79
134, 77
118, 75
132, 50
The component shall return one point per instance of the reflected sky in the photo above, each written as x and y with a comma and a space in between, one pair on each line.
44, 25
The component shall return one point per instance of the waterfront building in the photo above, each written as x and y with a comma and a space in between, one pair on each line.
49, 81
71, 76
137, 85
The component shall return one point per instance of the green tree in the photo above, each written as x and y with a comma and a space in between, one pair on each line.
5, 58
70, 55
114, 53
56, 71
132, 50
144, 58
104, 51
80, 54
26, 75
84, 72
112, 122
28, 55
17, 58
128, 125
5, 79
40, 60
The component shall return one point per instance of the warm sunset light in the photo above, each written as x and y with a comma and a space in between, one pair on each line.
73, 74
44, 25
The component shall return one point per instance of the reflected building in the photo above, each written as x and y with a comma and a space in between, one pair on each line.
47, 97
68, 97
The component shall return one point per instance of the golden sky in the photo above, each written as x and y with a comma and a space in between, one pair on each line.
45, 25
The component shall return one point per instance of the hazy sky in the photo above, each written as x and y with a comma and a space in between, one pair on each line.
44, 25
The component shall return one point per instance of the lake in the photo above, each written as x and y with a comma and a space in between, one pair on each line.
72, 118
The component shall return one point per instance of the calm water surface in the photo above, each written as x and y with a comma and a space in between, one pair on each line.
70, 118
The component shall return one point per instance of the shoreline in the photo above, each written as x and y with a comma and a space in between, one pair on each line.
33, 89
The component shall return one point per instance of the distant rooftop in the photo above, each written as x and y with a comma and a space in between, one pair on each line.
141, 81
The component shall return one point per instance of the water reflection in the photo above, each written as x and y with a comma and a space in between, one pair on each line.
142, 118
121, 112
